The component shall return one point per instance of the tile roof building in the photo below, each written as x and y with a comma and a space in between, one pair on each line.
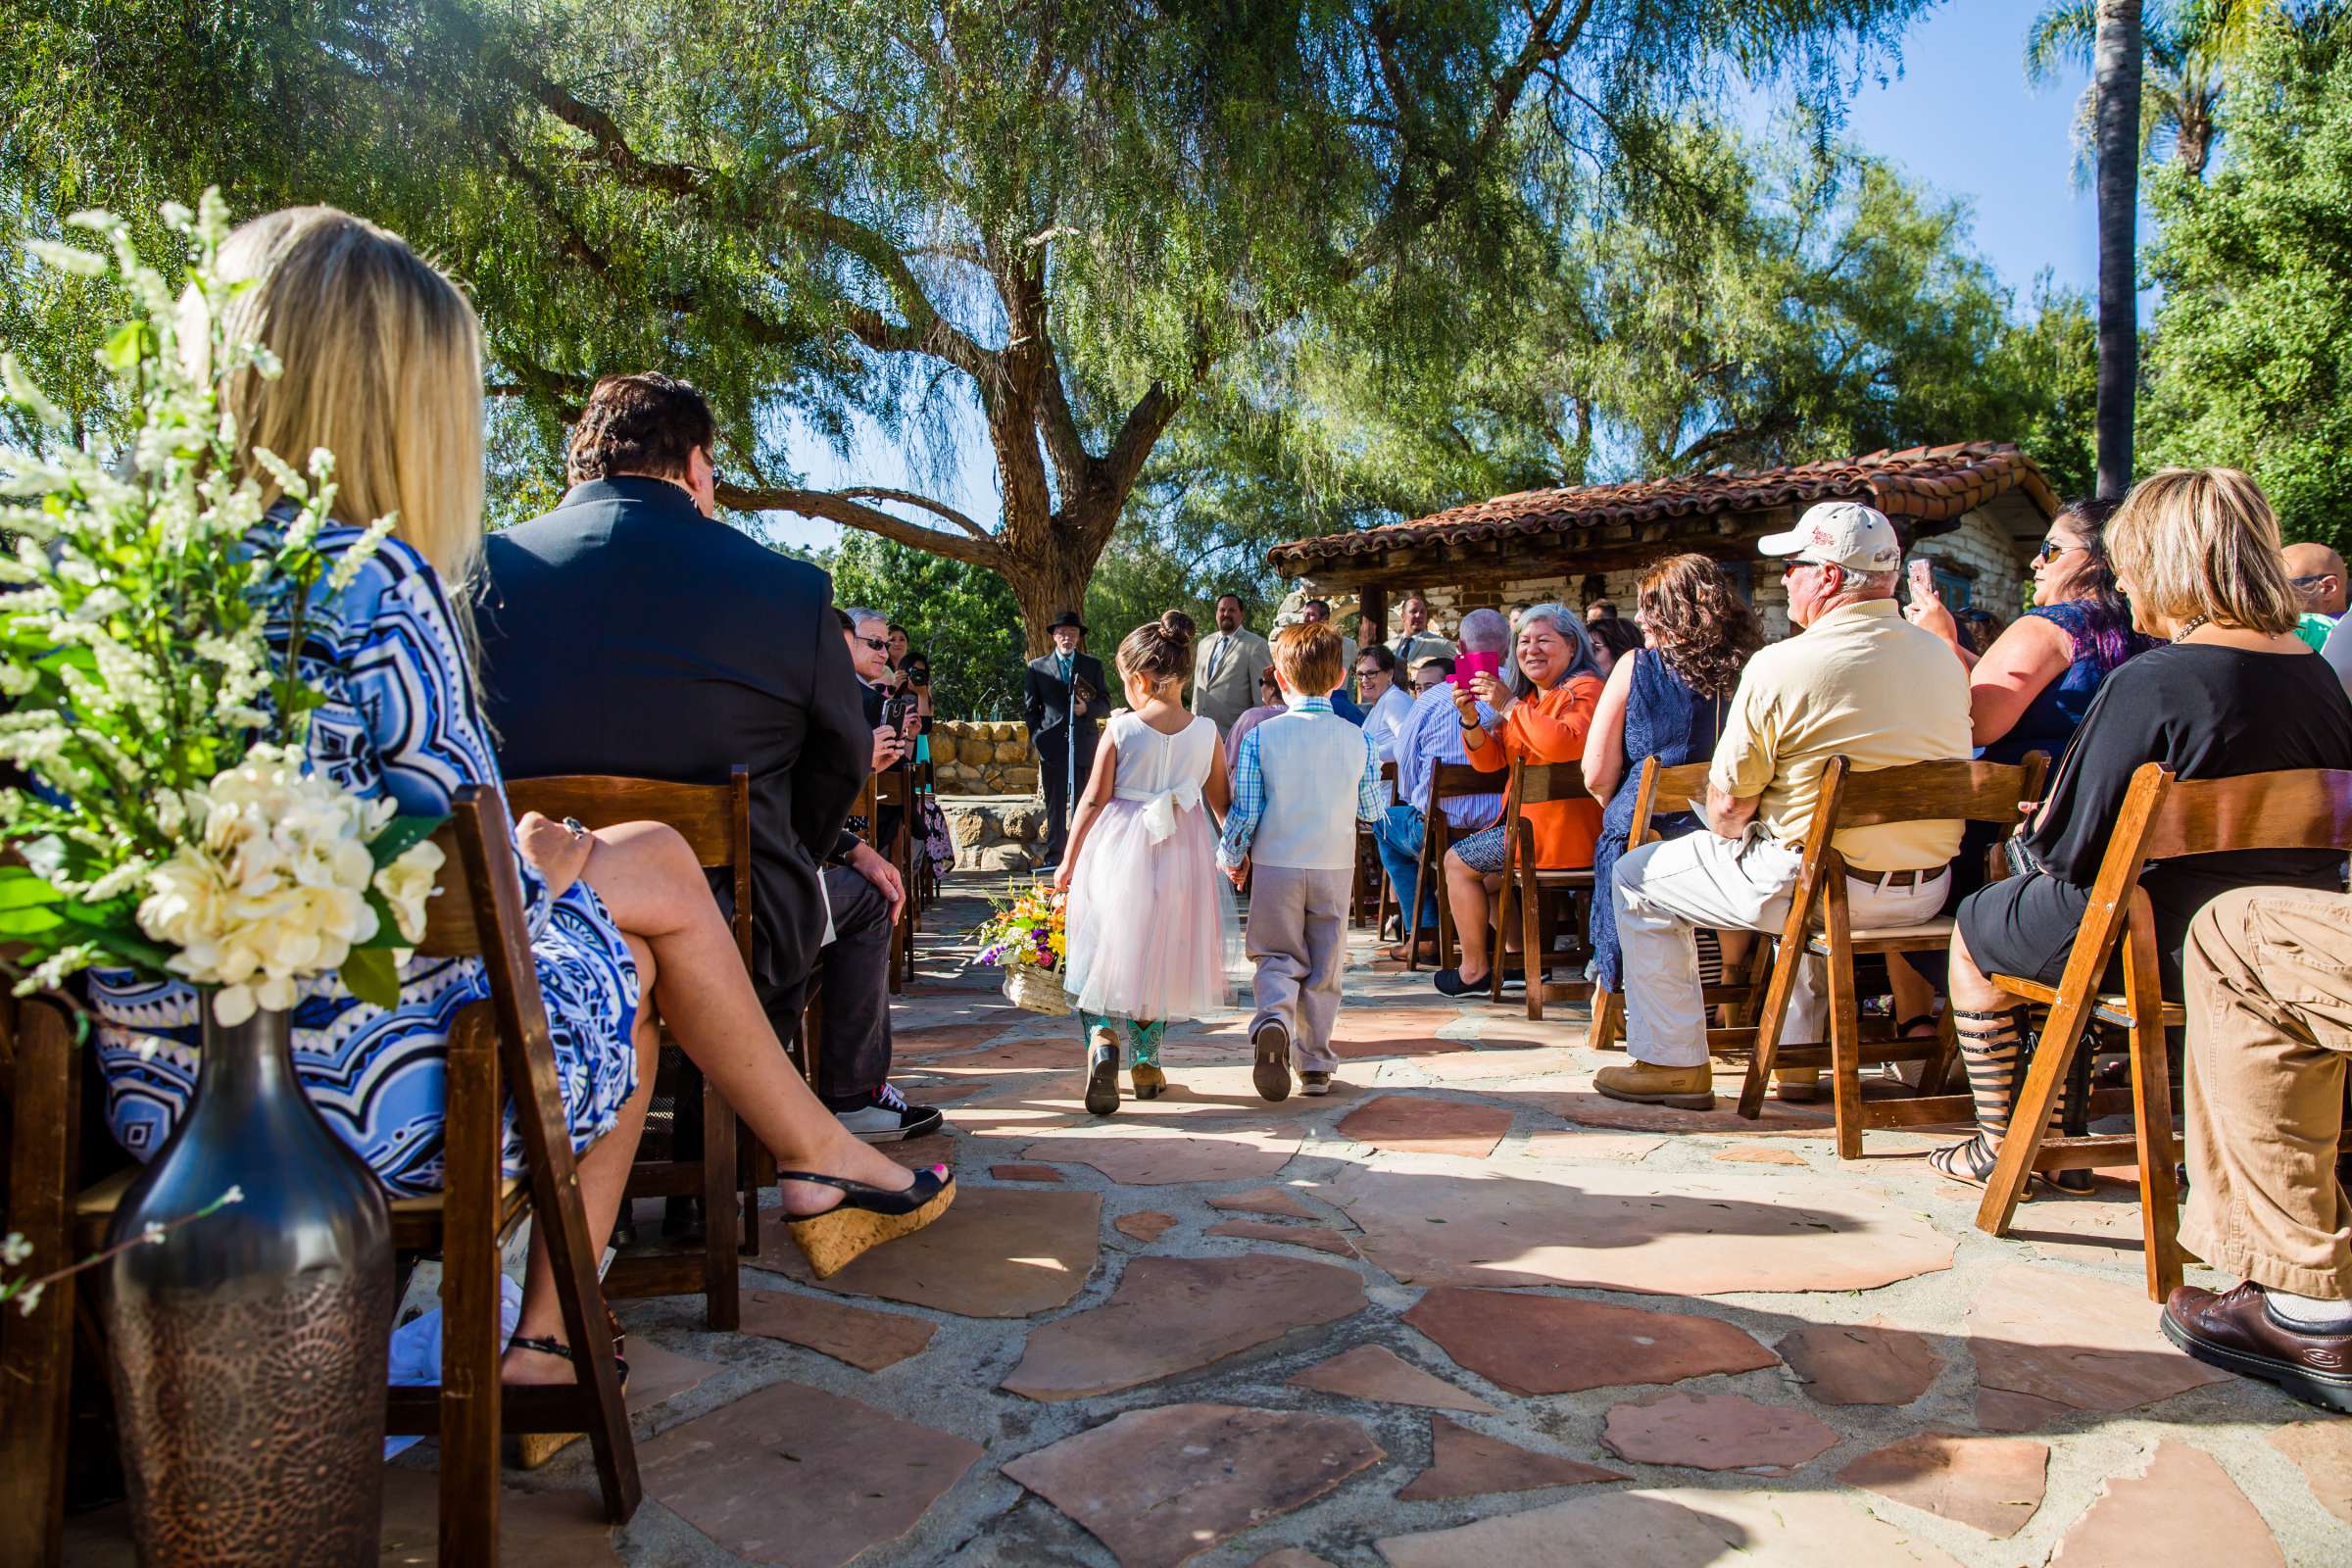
1974, 508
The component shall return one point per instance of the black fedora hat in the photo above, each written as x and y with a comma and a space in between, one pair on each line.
1068, 618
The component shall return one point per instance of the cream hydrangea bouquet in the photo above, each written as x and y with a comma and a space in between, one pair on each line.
167, 822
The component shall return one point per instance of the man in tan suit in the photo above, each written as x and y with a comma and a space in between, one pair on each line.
1226, 666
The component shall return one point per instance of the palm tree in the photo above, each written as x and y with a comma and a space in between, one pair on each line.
2184, 48
2116, 78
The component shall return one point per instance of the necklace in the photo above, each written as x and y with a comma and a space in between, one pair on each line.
2188, 626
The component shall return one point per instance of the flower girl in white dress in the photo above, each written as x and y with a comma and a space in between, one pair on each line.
1153, 935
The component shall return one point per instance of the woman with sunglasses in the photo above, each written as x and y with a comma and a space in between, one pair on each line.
2030, 690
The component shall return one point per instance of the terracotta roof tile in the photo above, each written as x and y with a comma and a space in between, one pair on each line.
1929, 485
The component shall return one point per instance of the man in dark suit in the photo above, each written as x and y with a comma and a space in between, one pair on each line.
1063, 724
628, 632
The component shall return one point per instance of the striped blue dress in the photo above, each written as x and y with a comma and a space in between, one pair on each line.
400, 719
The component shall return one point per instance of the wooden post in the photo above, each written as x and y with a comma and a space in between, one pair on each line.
1372, 616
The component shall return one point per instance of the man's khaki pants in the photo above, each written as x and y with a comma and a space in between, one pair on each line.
2269, 976
1298, 938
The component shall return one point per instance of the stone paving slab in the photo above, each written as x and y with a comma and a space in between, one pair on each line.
1431, 1221
1161, 1486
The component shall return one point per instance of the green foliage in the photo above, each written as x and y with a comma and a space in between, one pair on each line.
2251, 365
963, 616
1733, 302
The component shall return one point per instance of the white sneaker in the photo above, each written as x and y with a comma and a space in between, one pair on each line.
888, 1118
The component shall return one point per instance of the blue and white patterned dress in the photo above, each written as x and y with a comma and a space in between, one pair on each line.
400, 719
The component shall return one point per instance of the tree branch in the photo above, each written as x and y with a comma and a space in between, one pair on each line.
925, 331
867, 492
830, 506
678, 180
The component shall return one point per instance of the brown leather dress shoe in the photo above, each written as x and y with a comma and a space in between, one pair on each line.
2235, 1331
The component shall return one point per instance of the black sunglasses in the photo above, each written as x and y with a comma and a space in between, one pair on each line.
877, 643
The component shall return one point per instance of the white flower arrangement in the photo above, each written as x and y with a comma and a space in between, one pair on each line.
175, 828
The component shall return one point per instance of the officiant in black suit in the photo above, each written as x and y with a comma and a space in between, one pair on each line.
1063, 726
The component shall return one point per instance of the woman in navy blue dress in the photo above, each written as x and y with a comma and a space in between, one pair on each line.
1666, 700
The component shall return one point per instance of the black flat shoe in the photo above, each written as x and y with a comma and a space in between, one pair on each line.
1449, 983
865, 1217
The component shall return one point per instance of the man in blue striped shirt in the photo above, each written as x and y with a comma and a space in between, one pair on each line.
1432, 733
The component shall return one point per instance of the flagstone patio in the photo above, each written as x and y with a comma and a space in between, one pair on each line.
1461, 1311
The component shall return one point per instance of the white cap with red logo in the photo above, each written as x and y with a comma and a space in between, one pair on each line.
1839, 533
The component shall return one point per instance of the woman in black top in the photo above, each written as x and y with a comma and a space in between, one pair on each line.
2235, 692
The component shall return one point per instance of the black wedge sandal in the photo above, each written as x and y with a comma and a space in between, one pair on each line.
528, 1451
865, 1217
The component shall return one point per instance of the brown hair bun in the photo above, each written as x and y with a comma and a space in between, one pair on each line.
1160, 651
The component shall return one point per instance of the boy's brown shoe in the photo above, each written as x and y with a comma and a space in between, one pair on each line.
1272, 1073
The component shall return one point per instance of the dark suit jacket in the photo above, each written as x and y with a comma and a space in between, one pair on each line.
624, 632
1048, 699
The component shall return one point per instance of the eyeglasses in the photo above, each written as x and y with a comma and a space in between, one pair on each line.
1789, 567
2311, 581
2050, 551
880, 644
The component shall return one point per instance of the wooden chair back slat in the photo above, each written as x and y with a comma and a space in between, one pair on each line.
2301, 809
703, 814
1962, 791
450, 927
1545, 783
1662, 792
715, 819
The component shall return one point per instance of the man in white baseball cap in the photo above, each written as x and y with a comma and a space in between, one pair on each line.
1861, 682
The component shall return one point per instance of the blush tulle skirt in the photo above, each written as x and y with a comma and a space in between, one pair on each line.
1152, 934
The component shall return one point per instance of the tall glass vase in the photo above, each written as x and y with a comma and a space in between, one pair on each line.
248, 1349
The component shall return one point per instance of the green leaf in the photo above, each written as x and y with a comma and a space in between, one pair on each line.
128, 344
387, 929
400, 835
29, 922
371, 975
23, 889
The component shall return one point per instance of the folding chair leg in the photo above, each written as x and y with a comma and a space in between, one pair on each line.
2152, 1113
1846, 1022
36, 1348
2029, 1118
1608, 1017
471, 1408
722, 1308
1773, 1014
1535, 942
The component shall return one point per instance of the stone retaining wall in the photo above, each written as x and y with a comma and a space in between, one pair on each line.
998, 835
975, 757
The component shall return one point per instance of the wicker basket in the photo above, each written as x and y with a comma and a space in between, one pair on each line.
1035, 990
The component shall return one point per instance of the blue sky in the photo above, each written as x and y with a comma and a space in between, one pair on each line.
1959, 118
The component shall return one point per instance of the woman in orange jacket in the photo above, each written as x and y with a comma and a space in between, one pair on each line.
1543, 711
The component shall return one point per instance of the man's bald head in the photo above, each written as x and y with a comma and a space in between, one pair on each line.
2319, 577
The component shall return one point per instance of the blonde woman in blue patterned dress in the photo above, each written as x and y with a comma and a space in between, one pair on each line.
383, 367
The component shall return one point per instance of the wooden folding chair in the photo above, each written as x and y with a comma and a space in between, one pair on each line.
1448, 781
1819, 926
1534, 891
2162, 818
1661, 792
496, 1047
733, 1168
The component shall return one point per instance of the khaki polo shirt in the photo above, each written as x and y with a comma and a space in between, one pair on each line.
1861, 682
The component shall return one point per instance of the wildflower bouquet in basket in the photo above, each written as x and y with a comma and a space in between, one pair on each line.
170, 824
1028, 939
